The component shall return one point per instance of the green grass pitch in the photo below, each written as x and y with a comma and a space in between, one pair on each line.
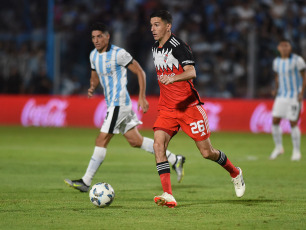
35, 161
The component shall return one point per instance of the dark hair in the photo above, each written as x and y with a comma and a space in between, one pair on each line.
99, 26
163, 14
284, 40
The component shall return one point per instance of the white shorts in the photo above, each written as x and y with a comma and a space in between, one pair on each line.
119, 119
286, 108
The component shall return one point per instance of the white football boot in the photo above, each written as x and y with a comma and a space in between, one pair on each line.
296, 155
276, 152
165, 199
179, 167
239, 184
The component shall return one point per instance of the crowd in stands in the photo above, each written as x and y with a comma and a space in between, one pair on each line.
218, 31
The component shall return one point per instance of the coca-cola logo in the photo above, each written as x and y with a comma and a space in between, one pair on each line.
261, 120
213, 110
101, 110
52, 113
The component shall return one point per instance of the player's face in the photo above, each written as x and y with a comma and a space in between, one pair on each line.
159, 28
100, 40
284, 48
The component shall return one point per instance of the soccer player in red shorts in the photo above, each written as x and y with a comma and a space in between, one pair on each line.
180, 106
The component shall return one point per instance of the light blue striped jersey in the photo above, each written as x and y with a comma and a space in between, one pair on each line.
111, 69
289, 76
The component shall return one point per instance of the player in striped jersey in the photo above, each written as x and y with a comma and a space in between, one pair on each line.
180, 106
290, 83
109, 65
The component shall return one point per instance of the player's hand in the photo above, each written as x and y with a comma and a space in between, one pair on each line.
166, 80
90, 91
273, 93
143, 104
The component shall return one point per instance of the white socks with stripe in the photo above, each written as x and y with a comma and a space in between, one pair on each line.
277, 136
94, 163
296, 138
147, 145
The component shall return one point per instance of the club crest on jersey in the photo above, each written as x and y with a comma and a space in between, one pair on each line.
165, 58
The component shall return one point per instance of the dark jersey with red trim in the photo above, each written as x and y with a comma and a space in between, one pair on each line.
170, 60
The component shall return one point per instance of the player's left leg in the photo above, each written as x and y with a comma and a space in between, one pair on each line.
136, 140
293, 115
96, 160
296, 141
208, 152
194, 123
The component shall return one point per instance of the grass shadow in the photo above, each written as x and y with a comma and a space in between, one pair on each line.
247, 202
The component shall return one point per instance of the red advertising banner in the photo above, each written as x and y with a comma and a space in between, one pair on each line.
79, 111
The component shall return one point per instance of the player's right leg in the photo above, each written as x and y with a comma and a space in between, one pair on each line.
94, 163
136, 140
161, 140
108, 129
177, 161
277, 138
279, 111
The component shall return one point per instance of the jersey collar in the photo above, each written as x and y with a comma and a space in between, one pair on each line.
108, 47
166, 41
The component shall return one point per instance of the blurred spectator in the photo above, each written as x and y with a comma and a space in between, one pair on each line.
40, 83
14, 84
70, 85
218, 32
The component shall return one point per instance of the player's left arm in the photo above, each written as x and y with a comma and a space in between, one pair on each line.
135, 68
301, 94
188, 74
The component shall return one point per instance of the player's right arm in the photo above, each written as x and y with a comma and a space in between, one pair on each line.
94, 82
276, 77
274, 91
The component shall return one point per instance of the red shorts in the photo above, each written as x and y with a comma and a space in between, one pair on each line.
193, 121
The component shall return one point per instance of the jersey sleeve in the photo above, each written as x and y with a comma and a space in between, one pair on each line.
184, 55
124, 58
301, 64
92, 64
274, 65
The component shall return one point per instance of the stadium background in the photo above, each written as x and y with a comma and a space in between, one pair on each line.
44, 73
45, 45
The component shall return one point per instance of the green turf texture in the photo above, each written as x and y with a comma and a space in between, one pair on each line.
35, 161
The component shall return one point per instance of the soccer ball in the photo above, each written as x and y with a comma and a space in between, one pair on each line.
102, 194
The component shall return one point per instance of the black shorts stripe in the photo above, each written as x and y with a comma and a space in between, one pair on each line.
114, 119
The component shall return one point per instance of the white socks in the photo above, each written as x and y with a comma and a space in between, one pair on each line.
296, 138
147, 145
99, 155
94, 163
277, 136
